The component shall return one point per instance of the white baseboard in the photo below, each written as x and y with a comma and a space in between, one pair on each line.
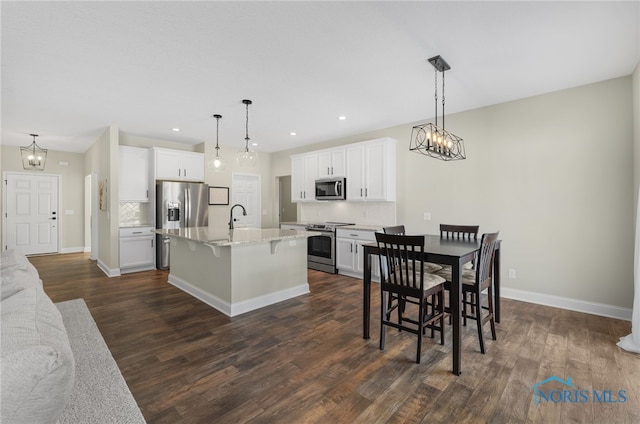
593, 308
72, 250
87, 249
109, 272
238, 308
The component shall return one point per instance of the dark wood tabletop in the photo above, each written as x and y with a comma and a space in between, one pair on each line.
442, 251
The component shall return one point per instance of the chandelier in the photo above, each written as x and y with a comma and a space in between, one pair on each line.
247, 156
431, 139
218, 164
33, 156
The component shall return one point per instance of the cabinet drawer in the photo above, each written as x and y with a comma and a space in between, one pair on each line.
356, 234
136, 232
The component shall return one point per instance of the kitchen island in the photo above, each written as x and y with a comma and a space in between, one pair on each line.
237, 271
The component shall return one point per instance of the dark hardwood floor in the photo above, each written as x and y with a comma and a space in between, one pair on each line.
305, 361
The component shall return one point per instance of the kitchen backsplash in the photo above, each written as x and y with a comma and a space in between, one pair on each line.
370, 213
134, 213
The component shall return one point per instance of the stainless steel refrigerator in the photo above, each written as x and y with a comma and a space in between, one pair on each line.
178, 205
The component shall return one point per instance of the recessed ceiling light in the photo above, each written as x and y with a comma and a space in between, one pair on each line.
292, 133
175, 129
342, 118
254, 144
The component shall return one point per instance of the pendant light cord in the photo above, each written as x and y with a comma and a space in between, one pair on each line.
246, 138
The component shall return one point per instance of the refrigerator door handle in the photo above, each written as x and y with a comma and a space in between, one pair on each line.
187, 206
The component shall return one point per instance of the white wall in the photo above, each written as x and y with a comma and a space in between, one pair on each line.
553, 173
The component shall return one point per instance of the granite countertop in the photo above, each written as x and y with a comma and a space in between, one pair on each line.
226, 237
130, 225
363, 227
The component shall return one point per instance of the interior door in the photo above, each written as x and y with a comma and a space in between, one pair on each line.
246, 191
31, 211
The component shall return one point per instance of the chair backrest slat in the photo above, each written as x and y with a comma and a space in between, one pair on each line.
401, 260
485, 262
463, 232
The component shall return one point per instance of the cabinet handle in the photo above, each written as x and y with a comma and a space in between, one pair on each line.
366, 192
332, 170
328, 173
137, 232
185, 172
351, 248
301, 195
151, 242
356, 248
179, 172
360, 192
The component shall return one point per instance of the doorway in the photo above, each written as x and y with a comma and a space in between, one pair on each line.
31, 223
287, 211
245, 190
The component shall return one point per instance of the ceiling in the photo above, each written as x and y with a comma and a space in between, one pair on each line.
70, 69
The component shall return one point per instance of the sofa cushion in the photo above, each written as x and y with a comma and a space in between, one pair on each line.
15, 279
12, 259
37, 365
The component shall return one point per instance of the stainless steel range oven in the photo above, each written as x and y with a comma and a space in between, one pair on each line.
321, 249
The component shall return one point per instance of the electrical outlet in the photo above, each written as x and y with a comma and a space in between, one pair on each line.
512, 273
427, 216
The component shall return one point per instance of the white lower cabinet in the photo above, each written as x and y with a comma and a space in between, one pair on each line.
137, 249
349, 253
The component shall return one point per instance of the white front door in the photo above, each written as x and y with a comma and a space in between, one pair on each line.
246, 191
31, 213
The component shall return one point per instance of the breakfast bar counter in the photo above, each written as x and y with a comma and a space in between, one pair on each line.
236, 271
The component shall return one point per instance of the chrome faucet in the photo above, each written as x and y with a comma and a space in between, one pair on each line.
244, 212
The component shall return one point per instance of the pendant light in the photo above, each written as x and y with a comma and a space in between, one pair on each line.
33, 156
433, 140
247, 156
218, 164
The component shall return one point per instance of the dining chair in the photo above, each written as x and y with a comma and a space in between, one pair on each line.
464, 232
475, 282
429, 267
402, 276
399, 230
459, 232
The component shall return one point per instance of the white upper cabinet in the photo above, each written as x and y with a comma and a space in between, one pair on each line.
133, 174
331, 163
178, 165
304, 173
371, 170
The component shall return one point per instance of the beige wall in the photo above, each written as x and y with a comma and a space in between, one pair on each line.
636, 132
219, 215
553, 173
71, 191
102, 160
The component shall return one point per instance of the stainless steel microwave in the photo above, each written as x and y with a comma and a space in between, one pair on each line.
331, 189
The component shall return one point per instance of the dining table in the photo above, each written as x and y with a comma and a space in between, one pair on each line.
444, 251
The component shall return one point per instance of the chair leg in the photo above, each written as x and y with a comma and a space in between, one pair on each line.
433, 311
421, 313
492, 320
401, 303
383, 314
478, 309
441, 312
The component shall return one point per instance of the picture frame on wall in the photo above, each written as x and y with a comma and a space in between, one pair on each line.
218, 195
